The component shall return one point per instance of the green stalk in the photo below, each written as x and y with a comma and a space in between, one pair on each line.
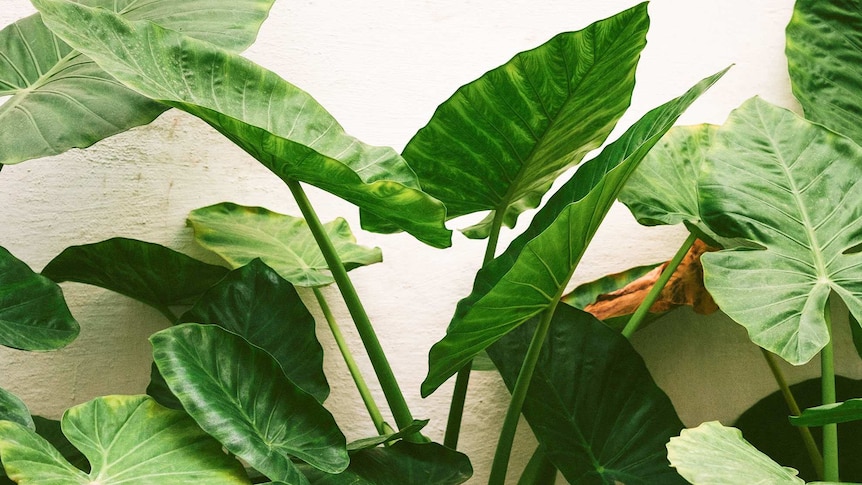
459, 394
391, 389
519, 395
361, 385
827, 386
810, 445
642, 310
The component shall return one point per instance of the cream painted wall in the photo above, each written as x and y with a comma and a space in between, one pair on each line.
381, 68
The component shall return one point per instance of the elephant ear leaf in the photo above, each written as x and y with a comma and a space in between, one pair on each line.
824, 55
60, 99
33, 312
280, 125
791, 188
499, 142
127, 439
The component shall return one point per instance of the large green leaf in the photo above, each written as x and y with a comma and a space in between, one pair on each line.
33, 313
239, 394
403, 463
792, 188
824, 57
240, 234
277, 123
257, 304
127, 439
499, 142
592, 404
530, 276
712, 454
62, 100
147, 272
12, 408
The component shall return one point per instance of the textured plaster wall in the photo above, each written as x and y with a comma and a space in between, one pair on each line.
381, 68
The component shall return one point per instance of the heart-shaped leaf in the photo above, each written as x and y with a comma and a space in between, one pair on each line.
712, 454
277, 123
530, 276
127, 439
33, 313
147, 272
592, 404
240, 234
62, 100
499, 142
403, 463
239, 394
792, 188
257, 304
824, 55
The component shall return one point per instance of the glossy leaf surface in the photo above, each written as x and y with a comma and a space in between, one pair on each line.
592, 404
712, 454
792, 188
127, 439
530, 276
147, 272
62, 100
499, 142
33, 313
403, 463
841, 412
257, 304
277, 123
239, 394
240, 234
824, 55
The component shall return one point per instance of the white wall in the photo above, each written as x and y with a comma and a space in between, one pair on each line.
381, 68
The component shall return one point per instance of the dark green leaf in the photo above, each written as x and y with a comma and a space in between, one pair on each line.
62, 100
127, 439
840, 412
257, 304
792, 188
403, 463
33, 313
592, 403
12, 408
277, 123
285, 243
51, 430
539, 470
532, 273
147, 272
499, 142
824, 55
239, 394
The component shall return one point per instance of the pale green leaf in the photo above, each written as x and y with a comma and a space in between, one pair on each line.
841, 412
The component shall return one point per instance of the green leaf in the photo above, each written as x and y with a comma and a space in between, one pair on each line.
592, 403
530, 276
499, 142
33, 313
257, 304
127, 439
366, 443
841, 412
277, 123
712, 454
62, 100
539, 470
239, 394
792, 188
403, 463
12, 408
240, 234
824, 55
51, 430
147, 272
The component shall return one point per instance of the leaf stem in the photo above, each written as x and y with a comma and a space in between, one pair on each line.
519, 395
459, 394
807, 438
827, 386
391, 389
355, 373
642, 310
